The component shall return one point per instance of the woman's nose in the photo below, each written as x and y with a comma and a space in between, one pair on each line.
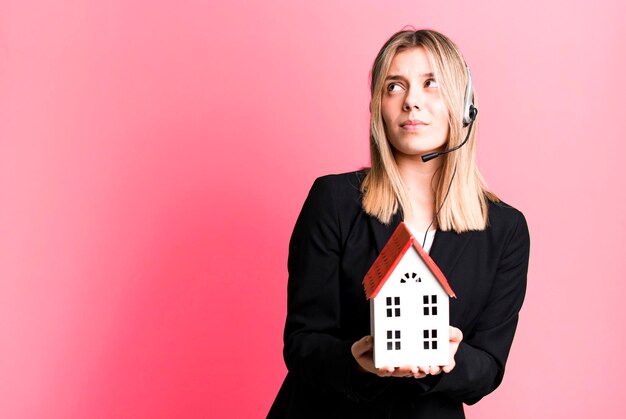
412, 100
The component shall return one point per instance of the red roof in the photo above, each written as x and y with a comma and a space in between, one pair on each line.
400, 241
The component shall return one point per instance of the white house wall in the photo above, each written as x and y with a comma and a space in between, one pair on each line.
412, 321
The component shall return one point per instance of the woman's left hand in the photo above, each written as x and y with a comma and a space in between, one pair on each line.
456, 336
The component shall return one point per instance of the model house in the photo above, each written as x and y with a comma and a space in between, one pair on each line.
409, 304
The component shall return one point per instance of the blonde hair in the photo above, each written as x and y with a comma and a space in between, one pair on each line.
384, 192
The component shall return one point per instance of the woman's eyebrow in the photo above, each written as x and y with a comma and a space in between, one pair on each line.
394, 77
398, 77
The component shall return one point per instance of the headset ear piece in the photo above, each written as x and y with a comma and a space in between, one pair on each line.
473, 112
471, 116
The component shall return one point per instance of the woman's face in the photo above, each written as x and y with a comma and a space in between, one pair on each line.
415, 116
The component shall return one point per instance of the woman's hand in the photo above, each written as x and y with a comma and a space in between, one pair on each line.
456, 336
362, 351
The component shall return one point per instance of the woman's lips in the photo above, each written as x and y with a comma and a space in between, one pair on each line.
413, 125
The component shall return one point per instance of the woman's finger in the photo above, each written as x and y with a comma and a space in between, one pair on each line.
406, 371
362, 346
449, 367
425, 369
455, 334
435, 369
385, 371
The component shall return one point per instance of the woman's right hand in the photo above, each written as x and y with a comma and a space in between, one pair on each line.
363, 353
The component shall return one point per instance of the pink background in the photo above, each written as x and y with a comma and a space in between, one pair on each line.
155, 155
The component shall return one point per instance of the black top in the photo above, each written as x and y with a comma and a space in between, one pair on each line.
332, 246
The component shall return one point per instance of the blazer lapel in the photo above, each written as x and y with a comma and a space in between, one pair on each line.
447, 248
383, 232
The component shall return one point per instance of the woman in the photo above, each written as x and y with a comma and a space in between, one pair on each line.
421, 104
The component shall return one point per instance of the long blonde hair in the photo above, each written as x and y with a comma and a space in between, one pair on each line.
384, 192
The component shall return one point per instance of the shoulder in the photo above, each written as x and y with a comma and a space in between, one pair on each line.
502, 213
332, 202
348, 182
334, 199
508, 223
343, 189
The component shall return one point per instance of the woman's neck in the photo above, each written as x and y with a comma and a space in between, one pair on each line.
418, 178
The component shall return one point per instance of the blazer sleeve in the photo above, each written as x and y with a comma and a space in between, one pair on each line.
313, 351
482, 355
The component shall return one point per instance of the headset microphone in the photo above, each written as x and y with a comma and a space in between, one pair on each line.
469, 116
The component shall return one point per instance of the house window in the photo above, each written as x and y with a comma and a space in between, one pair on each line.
393, 340
430, 339
410, 276
430, 305
393, 306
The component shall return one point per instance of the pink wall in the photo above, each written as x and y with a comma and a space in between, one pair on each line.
154, 157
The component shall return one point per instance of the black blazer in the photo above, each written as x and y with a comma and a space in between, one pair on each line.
332, 246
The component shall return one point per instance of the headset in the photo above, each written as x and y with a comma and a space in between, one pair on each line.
469, 116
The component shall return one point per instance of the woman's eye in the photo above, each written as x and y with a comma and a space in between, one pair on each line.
393, 87
432, 83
